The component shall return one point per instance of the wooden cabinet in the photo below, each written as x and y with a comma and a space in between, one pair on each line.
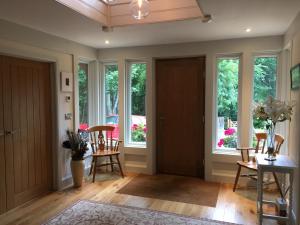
25, 131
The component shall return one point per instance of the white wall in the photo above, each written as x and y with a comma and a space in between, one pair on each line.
218, 167
23, 42
292, 40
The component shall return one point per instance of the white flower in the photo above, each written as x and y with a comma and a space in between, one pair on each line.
274, 110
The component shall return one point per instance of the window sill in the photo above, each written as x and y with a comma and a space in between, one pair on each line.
226, 152
135, 146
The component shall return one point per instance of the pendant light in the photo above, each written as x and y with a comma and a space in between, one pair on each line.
139, 9
109, 2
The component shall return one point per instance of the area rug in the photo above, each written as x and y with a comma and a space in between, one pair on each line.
174, 188
93, 213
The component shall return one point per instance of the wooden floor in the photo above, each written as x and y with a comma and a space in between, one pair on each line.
239, 207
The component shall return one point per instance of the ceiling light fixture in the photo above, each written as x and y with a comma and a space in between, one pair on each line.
110, 1
207, 18
107, 29
139, 9
248, 30
107, 42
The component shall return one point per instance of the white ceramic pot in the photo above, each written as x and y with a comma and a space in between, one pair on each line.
77, 168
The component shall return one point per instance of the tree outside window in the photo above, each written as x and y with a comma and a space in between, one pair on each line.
265, 76
138, 126
111, 80
227, 102
83, 95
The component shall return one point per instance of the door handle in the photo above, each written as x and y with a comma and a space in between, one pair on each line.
11, 132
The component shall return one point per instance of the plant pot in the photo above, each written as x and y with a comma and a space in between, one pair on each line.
77, 168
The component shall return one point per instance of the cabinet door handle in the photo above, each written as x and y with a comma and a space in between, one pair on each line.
11, 132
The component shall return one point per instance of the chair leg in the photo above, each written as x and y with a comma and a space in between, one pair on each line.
121, 171
111, 163
91, 169
237, 178
95, 168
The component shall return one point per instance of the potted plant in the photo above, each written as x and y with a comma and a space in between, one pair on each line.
78, 144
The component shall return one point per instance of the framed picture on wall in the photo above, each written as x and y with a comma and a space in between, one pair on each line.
66, 82
295, 77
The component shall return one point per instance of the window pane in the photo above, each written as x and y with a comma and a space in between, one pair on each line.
227, 102
265, 74
83, 95
111, 79
138, 128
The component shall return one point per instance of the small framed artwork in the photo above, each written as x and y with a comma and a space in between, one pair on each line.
295, 77
66, 82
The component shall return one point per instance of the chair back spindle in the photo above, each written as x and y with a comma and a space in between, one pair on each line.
261, 142
279, 141
100, 133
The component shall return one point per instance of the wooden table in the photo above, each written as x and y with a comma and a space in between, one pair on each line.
283, 164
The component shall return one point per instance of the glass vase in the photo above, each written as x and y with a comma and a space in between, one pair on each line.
271, 143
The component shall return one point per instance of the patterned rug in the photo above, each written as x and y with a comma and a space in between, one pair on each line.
93, 213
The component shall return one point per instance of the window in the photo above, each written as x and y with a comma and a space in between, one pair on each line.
111, 84
83, 95
136, 119
264, 85
227, 102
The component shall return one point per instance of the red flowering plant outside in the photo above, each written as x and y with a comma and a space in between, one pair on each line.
229, 139
138, 132
83, 126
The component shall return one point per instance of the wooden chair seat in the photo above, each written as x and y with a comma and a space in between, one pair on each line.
100, 153
249, 165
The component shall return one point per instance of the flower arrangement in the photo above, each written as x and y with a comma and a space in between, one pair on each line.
77, 143
273, 111
138, 132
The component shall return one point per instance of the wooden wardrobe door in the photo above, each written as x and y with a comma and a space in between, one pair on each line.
2, 152
27, 118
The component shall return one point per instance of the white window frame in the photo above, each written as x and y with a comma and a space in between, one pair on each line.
127, 135
263, 55
227, 151
102, 90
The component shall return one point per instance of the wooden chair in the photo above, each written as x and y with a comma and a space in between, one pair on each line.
104, 146
250, 163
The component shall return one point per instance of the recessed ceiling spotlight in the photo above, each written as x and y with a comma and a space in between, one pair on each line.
248, 30
107, 42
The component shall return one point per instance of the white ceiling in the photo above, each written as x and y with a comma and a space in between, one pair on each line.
230, 19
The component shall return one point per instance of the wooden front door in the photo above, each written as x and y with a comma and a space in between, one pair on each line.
25, 125
180, 97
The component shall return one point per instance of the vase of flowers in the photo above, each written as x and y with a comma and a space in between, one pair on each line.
273, 111
78, 144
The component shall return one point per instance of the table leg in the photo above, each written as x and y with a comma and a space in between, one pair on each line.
260, 195
291, 198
